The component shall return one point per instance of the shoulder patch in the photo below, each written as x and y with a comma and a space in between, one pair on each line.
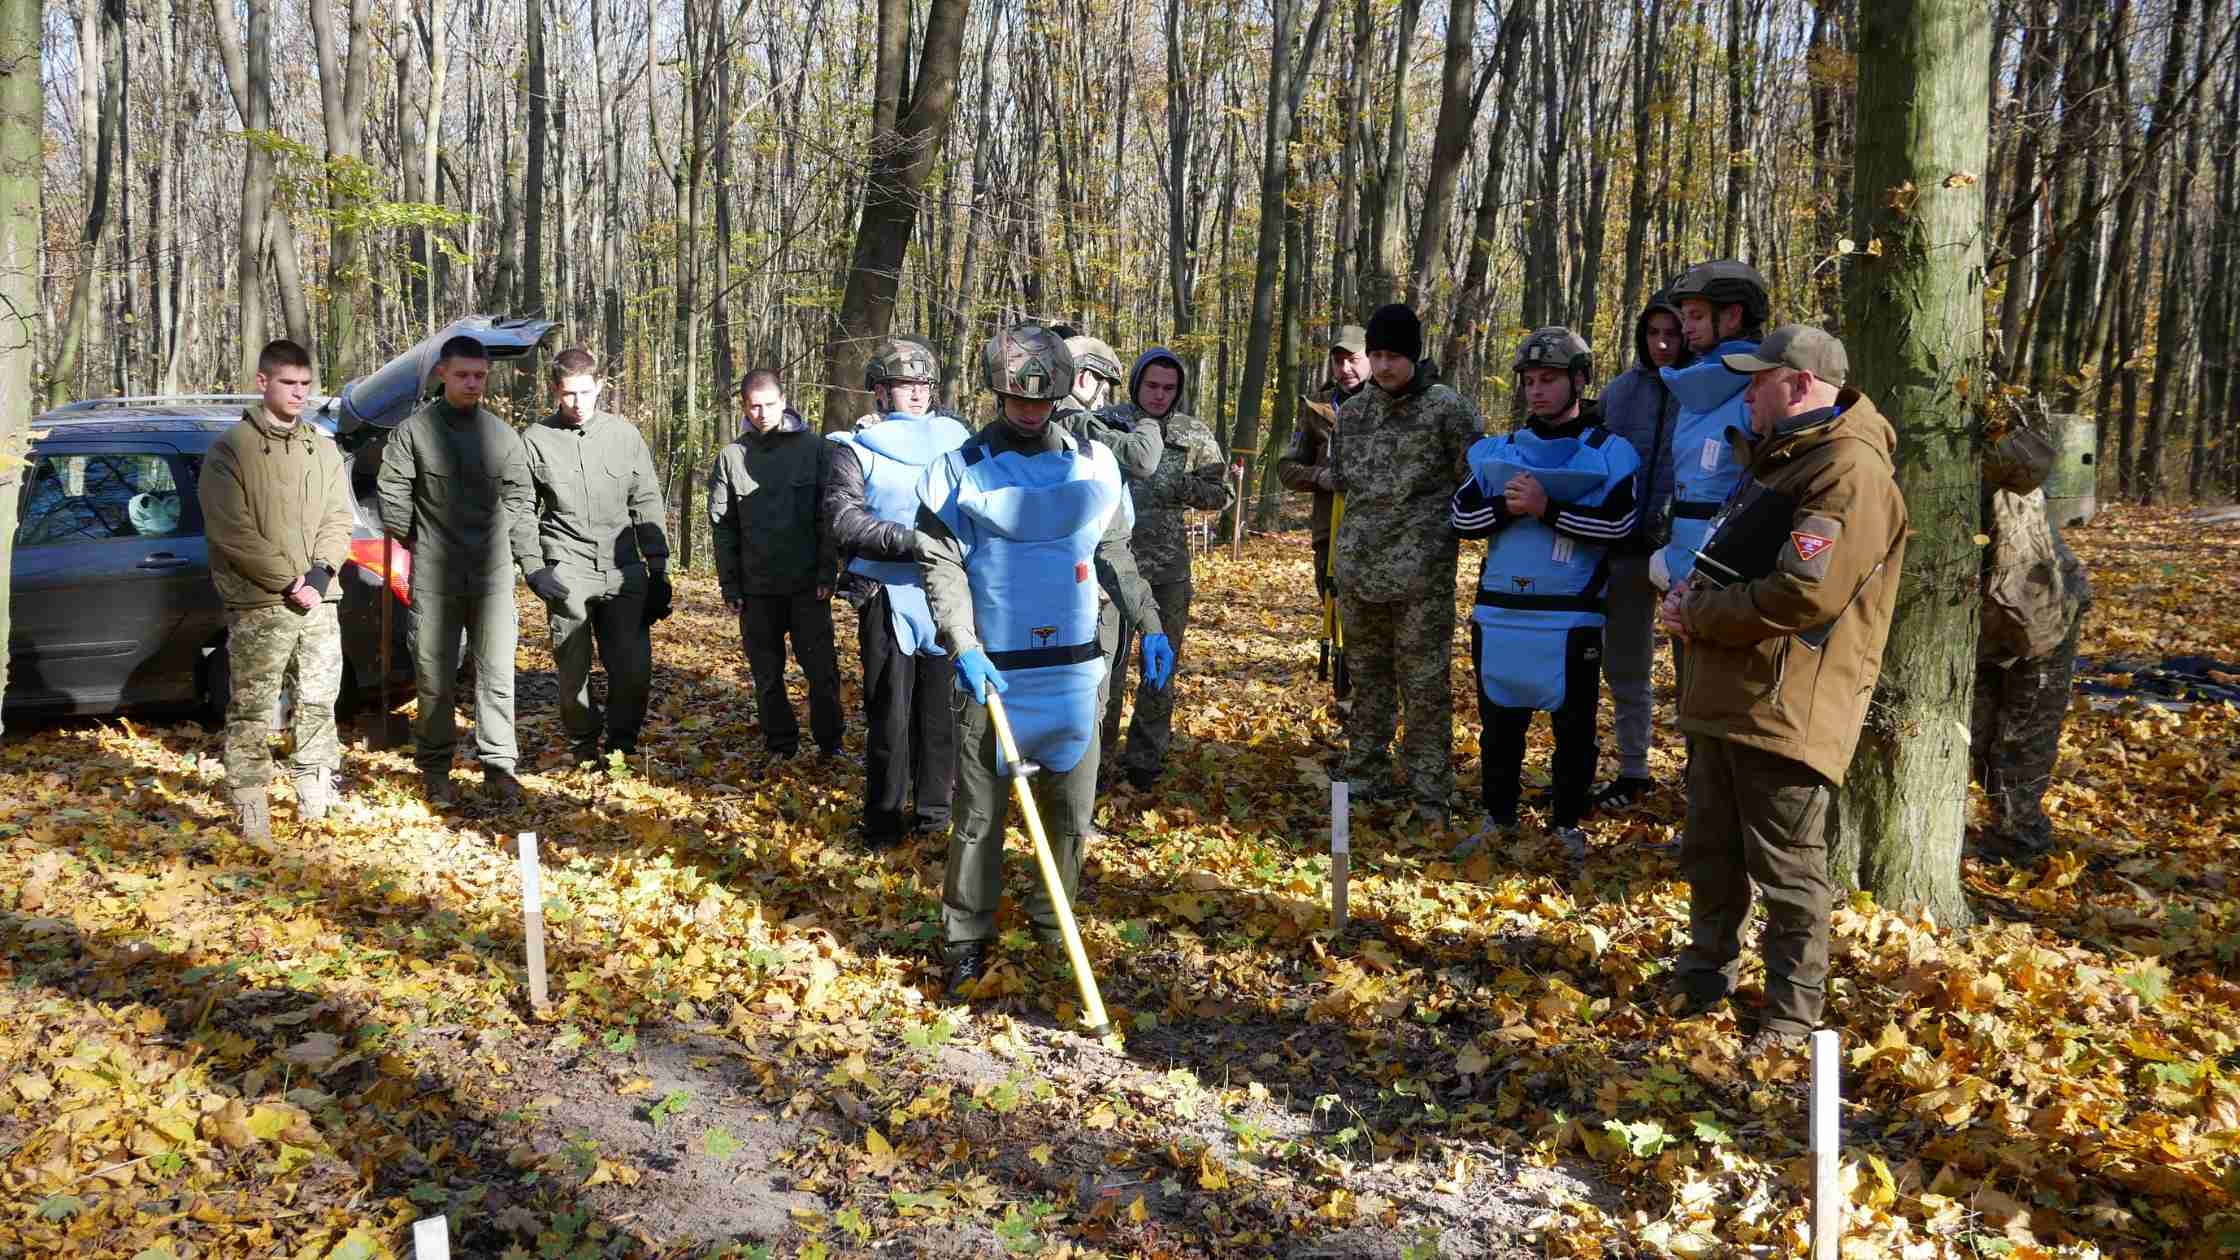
1809, 546
1811, 540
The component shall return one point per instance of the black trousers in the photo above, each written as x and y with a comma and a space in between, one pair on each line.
1502, 743
765, 623
910, 728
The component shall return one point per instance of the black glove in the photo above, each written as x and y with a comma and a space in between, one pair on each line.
548, 586
316, 577
661, 598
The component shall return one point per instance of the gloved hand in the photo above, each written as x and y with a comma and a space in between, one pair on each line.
661, 597
1158, 661
1660, 574
547, 585
980, 674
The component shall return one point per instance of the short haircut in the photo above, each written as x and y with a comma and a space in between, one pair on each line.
573, 361
282, 353
760, 378
462, 347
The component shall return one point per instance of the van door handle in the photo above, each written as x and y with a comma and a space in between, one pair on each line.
164, 560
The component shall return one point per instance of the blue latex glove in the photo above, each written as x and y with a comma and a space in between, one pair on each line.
1158, 661
980, 674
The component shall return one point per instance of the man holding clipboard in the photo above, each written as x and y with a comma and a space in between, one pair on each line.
1785, 617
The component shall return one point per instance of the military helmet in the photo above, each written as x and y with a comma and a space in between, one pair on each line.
1092, 354
902, 359
1028, 361
1554, 347
1725, 282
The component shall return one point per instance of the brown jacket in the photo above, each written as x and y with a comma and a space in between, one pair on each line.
1784, 656
1301, 464
274, 503
2033, 585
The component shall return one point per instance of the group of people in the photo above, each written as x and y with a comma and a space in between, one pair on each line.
1729, 489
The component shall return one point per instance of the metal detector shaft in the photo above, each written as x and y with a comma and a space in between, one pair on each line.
1092, 1002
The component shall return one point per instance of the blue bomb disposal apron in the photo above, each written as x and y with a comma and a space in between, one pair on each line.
1030, 525
1704, 468
1538, 585
894, 454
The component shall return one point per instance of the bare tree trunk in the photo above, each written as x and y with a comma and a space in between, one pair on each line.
1470, 303
1270, 507
22, 168
1384, 200
535, 93
2020, 225
342, 99
900, 159
1904, 806
1730, 232
1450, 141
100, 44
163, 234
2174, 325
1648, 50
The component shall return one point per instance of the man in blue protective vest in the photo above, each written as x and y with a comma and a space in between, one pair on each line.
1013, 529
1553, 497
1723, 308
871, 507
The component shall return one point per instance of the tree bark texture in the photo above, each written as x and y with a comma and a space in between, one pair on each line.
22, 166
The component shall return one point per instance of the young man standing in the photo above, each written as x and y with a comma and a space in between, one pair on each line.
1784, 640
276, 511
455, 489
1190, 474
1553, 497
600, 517
1012, 528
1723, 307
1638, 407
1397, 453
776, 562
871, 507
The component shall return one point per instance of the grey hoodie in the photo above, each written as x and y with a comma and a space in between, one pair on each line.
1634, 404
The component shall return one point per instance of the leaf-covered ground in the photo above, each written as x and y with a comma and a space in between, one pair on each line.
209, 1048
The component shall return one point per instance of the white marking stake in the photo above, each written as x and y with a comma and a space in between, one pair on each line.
1827, 1173
1341, 851
532, 910
431, 1239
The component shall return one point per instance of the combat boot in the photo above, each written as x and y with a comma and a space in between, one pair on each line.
252, 813
435, 788
314, 795
500, 785
968, 961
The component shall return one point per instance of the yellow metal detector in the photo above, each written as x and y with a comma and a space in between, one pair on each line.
1092, 1002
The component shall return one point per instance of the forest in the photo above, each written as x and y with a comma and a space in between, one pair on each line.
697, 188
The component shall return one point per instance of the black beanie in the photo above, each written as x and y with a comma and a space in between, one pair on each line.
1395, 329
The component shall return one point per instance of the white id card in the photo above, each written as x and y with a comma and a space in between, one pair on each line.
1713, 450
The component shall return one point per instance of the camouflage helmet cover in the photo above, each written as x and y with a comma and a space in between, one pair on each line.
1725, 282
1028, 361
1554, 347
902, 359
1092, 354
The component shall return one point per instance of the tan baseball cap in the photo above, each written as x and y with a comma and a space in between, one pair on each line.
1351, 337
1799, 346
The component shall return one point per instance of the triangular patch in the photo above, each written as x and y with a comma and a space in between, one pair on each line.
1809, 546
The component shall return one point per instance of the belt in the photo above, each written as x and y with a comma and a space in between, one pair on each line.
1540, 603
1690, 510
1045, 657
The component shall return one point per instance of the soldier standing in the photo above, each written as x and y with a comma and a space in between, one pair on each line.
871, 507
775, 562
2035, 596
1190, 473
1305, 465
455, 489
1398, 451
276, 511
1009, 528
599, 522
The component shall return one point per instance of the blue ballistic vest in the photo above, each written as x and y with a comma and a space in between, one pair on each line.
1029, 526
1538, 585
1705, 469
894, 455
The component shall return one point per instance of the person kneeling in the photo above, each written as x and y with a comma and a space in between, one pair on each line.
1552, 496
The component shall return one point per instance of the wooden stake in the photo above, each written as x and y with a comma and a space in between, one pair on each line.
1341, 851
532, 913
431, 1239
1827, 1171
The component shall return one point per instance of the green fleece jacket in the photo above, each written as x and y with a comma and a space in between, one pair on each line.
274, 505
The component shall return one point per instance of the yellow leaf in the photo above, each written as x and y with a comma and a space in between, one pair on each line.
1472, 1060
882, 1159
1211, 1175
1040, 1155
1137, 1212
32, 1086
637, 1086
1100, 1117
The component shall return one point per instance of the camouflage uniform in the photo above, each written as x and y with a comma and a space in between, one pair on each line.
1397, 457
267, 648
1190, 474
1137, 449
2035, 589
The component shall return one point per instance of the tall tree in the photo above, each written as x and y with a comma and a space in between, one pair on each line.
1450, 140
343, 82
904, 145
1384, 191
22, 168
536, 89
101, 76
1470, 303
1916, 320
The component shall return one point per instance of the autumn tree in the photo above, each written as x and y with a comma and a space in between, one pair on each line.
1917, 319
22, 167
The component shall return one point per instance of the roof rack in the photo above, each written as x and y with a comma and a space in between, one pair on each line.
147, 400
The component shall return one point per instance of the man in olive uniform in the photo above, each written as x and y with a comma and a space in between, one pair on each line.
2035, 594
776, 562
1190, 474
599, 523
1012, 527
455, 489
1305, 465
276, 512
1399, 449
